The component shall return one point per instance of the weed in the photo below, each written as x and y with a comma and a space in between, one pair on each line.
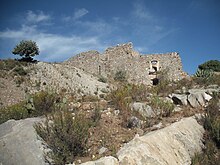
37, 105
90, 98
65, 136
211, 123
120, 76
17, 111
102, 79
164, 108
20, 71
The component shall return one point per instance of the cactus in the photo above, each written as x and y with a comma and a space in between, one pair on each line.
204, 73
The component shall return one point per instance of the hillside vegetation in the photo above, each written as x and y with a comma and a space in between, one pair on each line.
87, 117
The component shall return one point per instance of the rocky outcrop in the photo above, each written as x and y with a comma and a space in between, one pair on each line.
64, 78
109, 160
19, 144
143, 109
175, 144
179, 99
194, 97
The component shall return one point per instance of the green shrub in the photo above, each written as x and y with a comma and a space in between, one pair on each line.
209, 156
102, 79
37, 105
215, 79
120, 76
124, 95
211, 65
20, 71
90, 98
165, 108
165, 86
204, 73
96, 116
212, 120
17, 111
65, 136
10, 64
44, 102
211, 123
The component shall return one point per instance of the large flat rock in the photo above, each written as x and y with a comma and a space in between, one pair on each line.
19, 144
173, 145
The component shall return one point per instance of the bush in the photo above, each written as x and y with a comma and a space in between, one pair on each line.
211, 123
20, 71
17, 111
37, 105
164, 108
12, 66
215, 79
102, 79
120, 76
204, 73
65, 136
43, 102
212, 120
211, 65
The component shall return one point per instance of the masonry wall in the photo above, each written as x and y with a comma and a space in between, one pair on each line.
123, 57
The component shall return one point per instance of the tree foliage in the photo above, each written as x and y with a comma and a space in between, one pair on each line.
26, 49
211, 65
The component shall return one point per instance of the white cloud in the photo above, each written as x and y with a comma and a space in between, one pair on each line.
141, 12
35, 17
53, 47
100, 27
80, 13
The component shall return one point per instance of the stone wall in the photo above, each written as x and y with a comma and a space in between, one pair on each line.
139, 68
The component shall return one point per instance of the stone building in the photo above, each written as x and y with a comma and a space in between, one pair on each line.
139, 68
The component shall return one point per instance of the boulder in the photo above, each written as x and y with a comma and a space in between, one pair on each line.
180, 99
109, 160
134, 122
195, 97
143, 109
198, 98
175, 144
19, 143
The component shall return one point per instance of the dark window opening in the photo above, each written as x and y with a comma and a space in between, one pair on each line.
155, 68
99, 70
155, 81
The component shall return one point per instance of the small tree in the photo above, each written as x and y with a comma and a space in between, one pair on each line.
26, 49
211, 65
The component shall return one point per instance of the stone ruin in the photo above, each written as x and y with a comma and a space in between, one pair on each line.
140, 69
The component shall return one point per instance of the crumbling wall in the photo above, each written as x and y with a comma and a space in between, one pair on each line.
122, 57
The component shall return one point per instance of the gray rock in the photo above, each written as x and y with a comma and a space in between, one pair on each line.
184, 90
179, 99
134, 122
143, 109
177, 109
102, 150
198, 98
19, 143
175, 144
109, 160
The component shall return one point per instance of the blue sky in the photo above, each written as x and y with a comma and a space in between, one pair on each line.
65, 28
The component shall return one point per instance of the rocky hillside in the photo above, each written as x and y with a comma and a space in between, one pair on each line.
64, 77
79, 118
175, 144
47, 76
